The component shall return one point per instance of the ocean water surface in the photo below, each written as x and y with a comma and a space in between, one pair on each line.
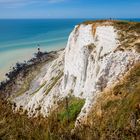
19, 38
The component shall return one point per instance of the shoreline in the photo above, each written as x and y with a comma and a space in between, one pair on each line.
21, 71
10, 57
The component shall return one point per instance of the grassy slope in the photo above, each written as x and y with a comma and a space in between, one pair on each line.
19, 127
62, 120
117, 112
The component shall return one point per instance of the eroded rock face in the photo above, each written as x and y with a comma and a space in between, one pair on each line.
91, 62
44, 93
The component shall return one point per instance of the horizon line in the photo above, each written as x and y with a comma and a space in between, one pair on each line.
79, 18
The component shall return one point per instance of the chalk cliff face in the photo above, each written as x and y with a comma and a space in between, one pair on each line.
92, 61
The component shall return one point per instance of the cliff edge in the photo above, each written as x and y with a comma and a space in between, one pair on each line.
99, 55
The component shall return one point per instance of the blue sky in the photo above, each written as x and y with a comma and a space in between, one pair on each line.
69, 8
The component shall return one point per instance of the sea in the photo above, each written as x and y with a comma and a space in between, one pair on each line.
20, 38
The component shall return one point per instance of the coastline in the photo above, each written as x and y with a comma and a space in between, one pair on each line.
28, 70
20, 55
52, 36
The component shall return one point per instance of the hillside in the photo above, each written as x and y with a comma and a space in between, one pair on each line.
89, 91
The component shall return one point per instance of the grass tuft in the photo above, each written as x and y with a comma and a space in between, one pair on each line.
55, 80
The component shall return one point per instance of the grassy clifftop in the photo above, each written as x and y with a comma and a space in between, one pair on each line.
128, 32
116, 114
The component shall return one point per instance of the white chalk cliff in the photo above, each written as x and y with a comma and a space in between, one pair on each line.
91, 62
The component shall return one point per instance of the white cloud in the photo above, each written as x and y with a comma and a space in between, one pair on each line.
14, 3
20, 3
29, 1
23, 3
56, 1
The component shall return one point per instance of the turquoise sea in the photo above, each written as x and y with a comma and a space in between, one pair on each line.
19, 38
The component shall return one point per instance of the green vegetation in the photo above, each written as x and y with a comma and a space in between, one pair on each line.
26, 84
116, 114
22, 81
127, 26
15, 126
55, 80
123, 22
128, 33
74, 108
61, 122
94, 21
56, 127
21, 76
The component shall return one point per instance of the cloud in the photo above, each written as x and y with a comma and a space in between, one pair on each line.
56, 1
13, 3
22, 3
29, 1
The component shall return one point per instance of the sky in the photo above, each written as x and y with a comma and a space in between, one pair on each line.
69, 9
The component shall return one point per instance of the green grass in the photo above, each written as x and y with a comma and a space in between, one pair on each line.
62, 120
19, 127
55, 80
14, 126
114, 122
74, 108
94, 21
117, 107
26, 81
127, 34
123, 22
25, 86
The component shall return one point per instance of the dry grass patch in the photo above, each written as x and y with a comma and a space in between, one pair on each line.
116, 114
